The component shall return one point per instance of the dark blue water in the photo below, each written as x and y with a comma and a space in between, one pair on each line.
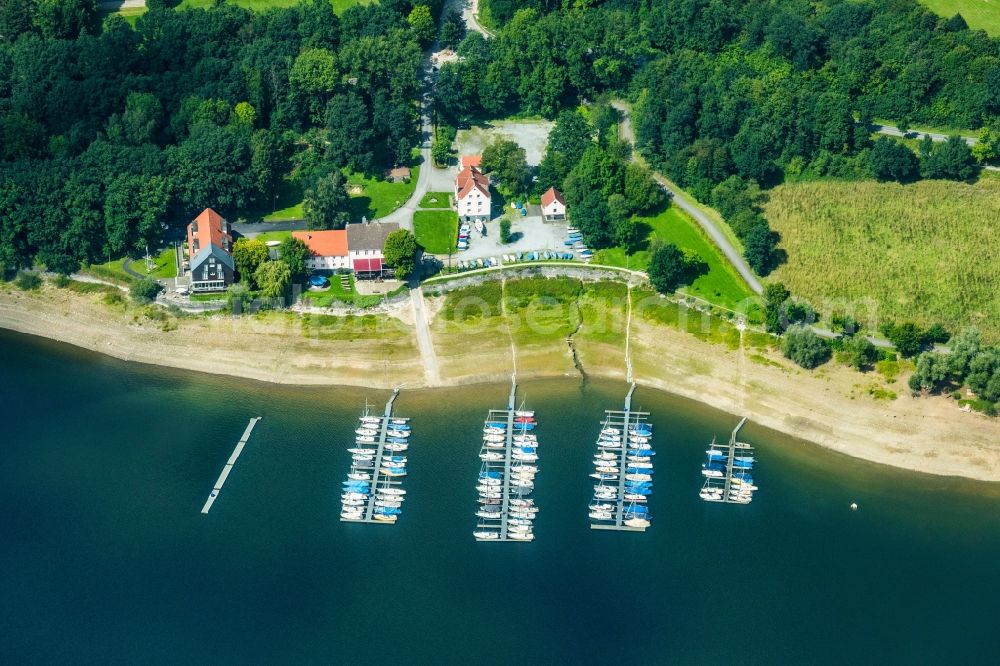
106, 558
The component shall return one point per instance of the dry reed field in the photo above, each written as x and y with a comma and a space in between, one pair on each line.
926, 252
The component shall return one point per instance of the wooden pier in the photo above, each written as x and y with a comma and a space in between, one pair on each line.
212, 496
379, 480
623, 420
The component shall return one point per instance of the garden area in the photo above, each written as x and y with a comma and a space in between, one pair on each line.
436, 230
374, 198
718, 284
164, 267
436, 200
337, 293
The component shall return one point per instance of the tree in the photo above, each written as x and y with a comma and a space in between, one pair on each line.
67, 19
803, 346
642, 193
668, 268
505, 161
775, 295
140, 121
758, 248
266, 163
134, 210
505, 231
311, 80
248, 254
859, 352
951, 159
422, 23
987, 147
964, 347
144, 290
984, 374
890, 160
931, 372
569, 139
294, 253
273, 278
349, 132
401, 252
907, 338
326, 205
244, 115
452, 29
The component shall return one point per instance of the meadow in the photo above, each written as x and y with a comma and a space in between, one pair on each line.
926, 252
719, 284
436, 230
979, 14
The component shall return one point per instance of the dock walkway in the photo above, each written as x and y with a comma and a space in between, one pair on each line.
380, 480
624, 421
212, 496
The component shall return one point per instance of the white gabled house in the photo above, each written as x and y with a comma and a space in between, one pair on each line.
553, 205
472, 192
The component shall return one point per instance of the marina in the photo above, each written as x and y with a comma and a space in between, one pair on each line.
505, 512
229, 465
728, 471
372, 492
623, 470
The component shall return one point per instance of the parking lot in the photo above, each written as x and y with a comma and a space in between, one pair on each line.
530, 234
532, 135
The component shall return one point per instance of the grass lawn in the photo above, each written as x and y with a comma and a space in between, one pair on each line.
339, 6
720, 285
979, 14
273, 235
130, 14
926, 252
378, 197
164, 267
436, 230
336, 292
436, 200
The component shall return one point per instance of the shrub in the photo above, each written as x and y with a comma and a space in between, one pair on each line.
61, 281
505, 231
144, 290
803, 346
27, 281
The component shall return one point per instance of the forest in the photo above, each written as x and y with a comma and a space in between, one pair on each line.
112, 135
731, 97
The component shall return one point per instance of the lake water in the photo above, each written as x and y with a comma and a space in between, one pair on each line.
106, 558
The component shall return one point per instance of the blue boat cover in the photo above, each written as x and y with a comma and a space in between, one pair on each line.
490, 475
742, 464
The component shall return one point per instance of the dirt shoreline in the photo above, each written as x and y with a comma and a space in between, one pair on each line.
831, 407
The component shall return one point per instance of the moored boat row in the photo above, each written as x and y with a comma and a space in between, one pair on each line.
728, 472
505, 512
623, 469
378, 463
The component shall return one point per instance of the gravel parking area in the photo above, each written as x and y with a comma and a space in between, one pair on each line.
532, 135
529, 234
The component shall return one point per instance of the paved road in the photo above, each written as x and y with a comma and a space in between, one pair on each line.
470, 9
688, 206
432, 373
251, 230
890, 130
113, 5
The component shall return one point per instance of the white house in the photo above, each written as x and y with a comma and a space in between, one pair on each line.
327, 249
472, 192
553, 205
365, 243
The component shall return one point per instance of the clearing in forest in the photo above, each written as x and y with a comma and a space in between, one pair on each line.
926, 252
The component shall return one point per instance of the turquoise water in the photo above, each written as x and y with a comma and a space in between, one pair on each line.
106, 558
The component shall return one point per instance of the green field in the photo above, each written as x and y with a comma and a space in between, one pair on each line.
436, 230
266, 236
720, 285
336, 293
926, 252
379, 197
979, 14
436, 200
164, 266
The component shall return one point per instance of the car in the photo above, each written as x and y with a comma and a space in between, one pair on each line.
183, 291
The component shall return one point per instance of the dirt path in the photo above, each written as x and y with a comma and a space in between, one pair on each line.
432, 372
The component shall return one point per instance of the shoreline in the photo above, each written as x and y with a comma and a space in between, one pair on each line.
830, 408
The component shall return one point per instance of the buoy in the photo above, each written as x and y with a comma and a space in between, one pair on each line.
854, 506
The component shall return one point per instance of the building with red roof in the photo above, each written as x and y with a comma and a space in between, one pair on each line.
327, 249
472, 192
210, 252
553, 205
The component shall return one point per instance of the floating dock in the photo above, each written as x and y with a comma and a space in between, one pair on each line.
728, 471
372, 492
623, 470
505, 512
229, 465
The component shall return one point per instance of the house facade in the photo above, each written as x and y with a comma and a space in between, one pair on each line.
472, 192
553, 205
209, 252
366, 244
327, 249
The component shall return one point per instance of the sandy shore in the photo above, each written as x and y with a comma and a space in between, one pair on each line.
830, 407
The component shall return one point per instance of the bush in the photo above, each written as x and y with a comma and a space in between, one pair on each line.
803, 346
61, 281
505, 231
27, 281
144, 290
